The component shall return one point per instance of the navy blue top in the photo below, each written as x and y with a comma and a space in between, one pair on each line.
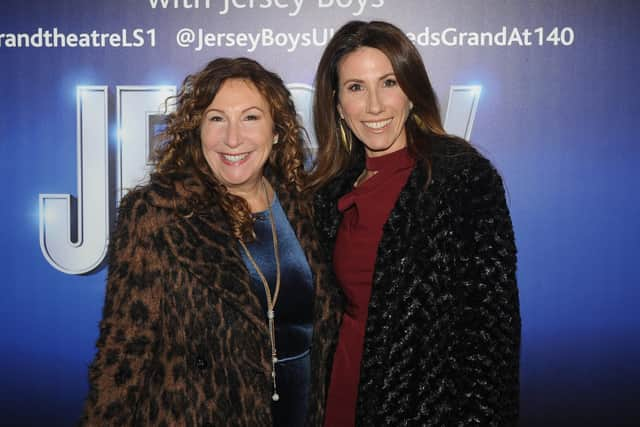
294, 308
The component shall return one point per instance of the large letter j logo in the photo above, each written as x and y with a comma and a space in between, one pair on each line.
89, 223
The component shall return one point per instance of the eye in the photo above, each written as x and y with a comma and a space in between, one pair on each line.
251, 117
354, 87
216, 118
390, 82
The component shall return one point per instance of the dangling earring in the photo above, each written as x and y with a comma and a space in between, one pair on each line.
419, 121
345, 136
276, 139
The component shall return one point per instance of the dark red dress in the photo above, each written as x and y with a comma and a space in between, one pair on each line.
365, 211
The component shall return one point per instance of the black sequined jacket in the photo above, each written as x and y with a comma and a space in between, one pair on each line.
183, 339
443, 332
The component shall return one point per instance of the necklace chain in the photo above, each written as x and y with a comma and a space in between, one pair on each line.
271, 302
363, 177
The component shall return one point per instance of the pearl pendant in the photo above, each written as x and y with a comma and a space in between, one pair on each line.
275, 397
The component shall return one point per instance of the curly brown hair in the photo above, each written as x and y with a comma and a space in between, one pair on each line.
183, 154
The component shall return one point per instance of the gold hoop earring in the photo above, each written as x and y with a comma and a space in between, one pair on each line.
345, 136
419, 121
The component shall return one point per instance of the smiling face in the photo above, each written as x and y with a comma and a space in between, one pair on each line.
237, 135
371, 102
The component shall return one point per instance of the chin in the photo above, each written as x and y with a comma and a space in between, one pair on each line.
379, 147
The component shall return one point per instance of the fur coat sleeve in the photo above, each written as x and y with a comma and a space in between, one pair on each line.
126, 375
487, 346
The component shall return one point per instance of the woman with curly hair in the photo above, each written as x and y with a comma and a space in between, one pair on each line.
214, 281
421, 243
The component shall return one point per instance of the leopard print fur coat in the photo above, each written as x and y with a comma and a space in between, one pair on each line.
442, 336
183, 341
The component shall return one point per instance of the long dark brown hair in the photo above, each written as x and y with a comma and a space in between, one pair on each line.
183, 153
424, 122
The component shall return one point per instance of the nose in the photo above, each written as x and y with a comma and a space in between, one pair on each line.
373, 102
233, 135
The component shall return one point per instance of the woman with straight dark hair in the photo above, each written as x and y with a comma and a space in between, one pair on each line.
214, 280
416, 225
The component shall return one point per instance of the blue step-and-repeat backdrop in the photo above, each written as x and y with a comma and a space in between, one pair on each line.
548, 90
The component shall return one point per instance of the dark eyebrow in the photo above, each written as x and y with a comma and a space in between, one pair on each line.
354, 80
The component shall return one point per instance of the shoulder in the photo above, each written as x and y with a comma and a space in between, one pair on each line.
140, 207
146, 209
458, 164
135, 202
454, 155
165, 199
342, 183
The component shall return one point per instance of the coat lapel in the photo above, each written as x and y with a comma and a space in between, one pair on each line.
204, 247
331, 217
396, 229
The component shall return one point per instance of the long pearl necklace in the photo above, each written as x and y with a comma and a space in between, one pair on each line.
271, 302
